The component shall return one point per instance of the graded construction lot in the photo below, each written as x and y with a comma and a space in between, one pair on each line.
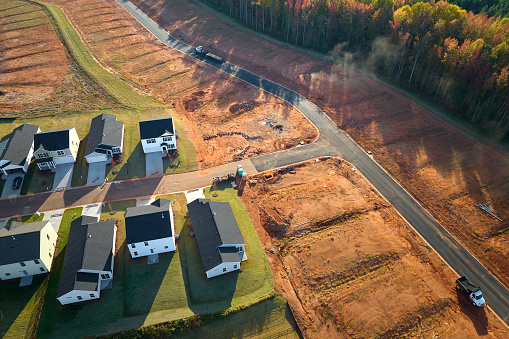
226, 119
349, 265
445, 169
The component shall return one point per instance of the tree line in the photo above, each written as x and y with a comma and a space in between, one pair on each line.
436, 49
490, 7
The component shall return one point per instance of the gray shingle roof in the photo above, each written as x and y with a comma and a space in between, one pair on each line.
214, 225
149, 222
105, 132
154, 128
17, 144
86, 281
89, 246
20, 242
52, 140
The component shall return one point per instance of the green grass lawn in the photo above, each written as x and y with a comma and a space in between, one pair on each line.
28, 218
270, 318
19, 307
172, 289
37, 181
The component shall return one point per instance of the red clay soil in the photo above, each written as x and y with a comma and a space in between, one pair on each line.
445, 169
32, 58
349, 265
226, 119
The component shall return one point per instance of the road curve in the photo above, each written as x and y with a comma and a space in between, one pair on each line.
333, 141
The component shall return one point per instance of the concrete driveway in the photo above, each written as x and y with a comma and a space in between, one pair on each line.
8, 192
96, 173
63, 176
154, 164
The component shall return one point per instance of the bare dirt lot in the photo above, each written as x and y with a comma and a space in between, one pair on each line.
33, 62
445, 169
226, 118
349, 265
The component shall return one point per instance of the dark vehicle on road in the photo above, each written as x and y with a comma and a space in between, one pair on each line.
16, 183
474, 292
201, 50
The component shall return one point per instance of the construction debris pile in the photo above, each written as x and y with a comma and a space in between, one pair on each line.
223, 134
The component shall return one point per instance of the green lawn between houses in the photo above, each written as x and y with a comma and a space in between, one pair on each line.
37, 181
172, 289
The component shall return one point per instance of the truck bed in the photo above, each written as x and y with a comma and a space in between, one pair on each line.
467, 285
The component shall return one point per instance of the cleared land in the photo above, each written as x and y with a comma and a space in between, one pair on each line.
448, 171
349, 265
209, 101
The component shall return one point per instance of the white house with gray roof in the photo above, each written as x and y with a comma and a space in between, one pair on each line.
55, 147
88, 261
26, 249
218, 236
17, 149
105, 139
150, 229
158, 135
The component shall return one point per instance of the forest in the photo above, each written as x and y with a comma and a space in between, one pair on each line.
449, 55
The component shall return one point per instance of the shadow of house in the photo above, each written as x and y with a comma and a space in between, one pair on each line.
476, 314
89, 260
203, 295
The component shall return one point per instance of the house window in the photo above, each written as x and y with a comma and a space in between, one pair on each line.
224, 269
22, 264
42, 269
151, 141
7, 274
61, 153
37, 262
165, 247
133, 246
166, 138
135, 253
151, 250
105, 276
146, 243
43, 155
47, 236
50, 255
116, 149
234, 266
79, 297
92, 295
171, 146
239, 249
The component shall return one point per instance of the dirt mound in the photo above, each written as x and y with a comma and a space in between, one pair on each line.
243, 107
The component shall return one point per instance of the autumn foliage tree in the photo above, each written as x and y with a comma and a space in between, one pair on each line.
437, 49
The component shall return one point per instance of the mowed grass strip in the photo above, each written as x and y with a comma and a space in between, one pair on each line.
115, 87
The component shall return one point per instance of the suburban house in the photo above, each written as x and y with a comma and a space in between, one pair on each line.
26, 249
150, 229
158, 135
106, 138
88, 261
220, 242
56, 147
17, 149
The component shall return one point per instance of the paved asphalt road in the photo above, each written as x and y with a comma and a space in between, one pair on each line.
332, 141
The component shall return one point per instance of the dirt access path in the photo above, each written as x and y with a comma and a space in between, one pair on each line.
445, 169
349, 266
225, 118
